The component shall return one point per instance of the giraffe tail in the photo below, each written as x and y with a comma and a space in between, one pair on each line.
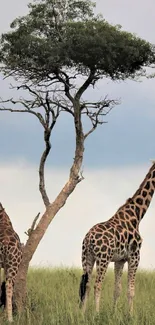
3, 295
83, 283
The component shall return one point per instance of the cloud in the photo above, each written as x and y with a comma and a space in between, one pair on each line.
95, 200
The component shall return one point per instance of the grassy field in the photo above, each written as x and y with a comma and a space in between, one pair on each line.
53, 300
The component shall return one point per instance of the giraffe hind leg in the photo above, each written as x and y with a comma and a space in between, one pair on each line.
118, 270
10, 275
132, 269
101, 268
88, 264
9, 294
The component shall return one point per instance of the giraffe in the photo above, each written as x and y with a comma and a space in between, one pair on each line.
117, 240
10, 257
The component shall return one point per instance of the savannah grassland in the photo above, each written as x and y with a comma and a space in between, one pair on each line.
53, 300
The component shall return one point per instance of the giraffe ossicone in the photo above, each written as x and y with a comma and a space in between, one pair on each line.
10, 257
117, 240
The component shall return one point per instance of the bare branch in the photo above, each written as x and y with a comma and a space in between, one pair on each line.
66, 83
58, 203
48, 122
95, 112
47, 134
29, 231
42, 189
27, 110
85, 85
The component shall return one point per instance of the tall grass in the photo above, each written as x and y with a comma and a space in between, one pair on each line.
53, 300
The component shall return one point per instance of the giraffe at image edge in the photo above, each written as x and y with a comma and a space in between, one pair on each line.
117, 240
10, 257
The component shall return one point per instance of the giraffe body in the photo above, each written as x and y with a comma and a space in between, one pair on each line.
10, 256
117, 240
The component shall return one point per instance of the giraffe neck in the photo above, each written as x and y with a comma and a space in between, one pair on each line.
140, 201
4, 218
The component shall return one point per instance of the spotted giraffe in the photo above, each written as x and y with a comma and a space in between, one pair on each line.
10, 257
117, 240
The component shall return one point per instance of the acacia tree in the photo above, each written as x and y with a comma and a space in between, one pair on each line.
55, 53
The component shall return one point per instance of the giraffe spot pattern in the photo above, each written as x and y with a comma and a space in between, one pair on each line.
118, 239
144, 194
130, 212
147, 186
139, 201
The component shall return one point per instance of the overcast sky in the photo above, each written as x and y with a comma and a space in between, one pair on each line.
116, 156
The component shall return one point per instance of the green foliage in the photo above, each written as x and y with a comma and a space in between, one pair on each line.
113, 53
66, 35
53, 300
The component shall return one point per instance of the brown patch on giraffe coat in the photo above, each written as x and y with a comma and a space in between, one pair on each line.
133, 222
111, 230
129, 212
123, 224
121, 214
151, 192
144, 194
139, 201
129, 226
147, 202
103, 248
98, 235
147, 186
101, 226
108, 234
99, 242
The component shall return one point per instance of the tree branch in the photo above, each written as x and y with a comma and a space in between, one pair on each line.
85, 85
66, 84
23, 111
42, 188
95, 112
29, 231
47, 125
74, 179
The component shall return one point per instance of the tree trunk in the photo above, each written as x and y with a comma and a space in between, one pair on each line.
50, 212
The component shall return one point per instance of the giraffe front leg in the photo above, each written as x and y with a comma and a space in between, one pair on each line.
118, 271
133, 263
101, 269
9, 294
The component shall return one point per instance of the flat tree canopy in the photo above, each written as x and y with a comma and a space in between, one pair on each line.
66, 36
